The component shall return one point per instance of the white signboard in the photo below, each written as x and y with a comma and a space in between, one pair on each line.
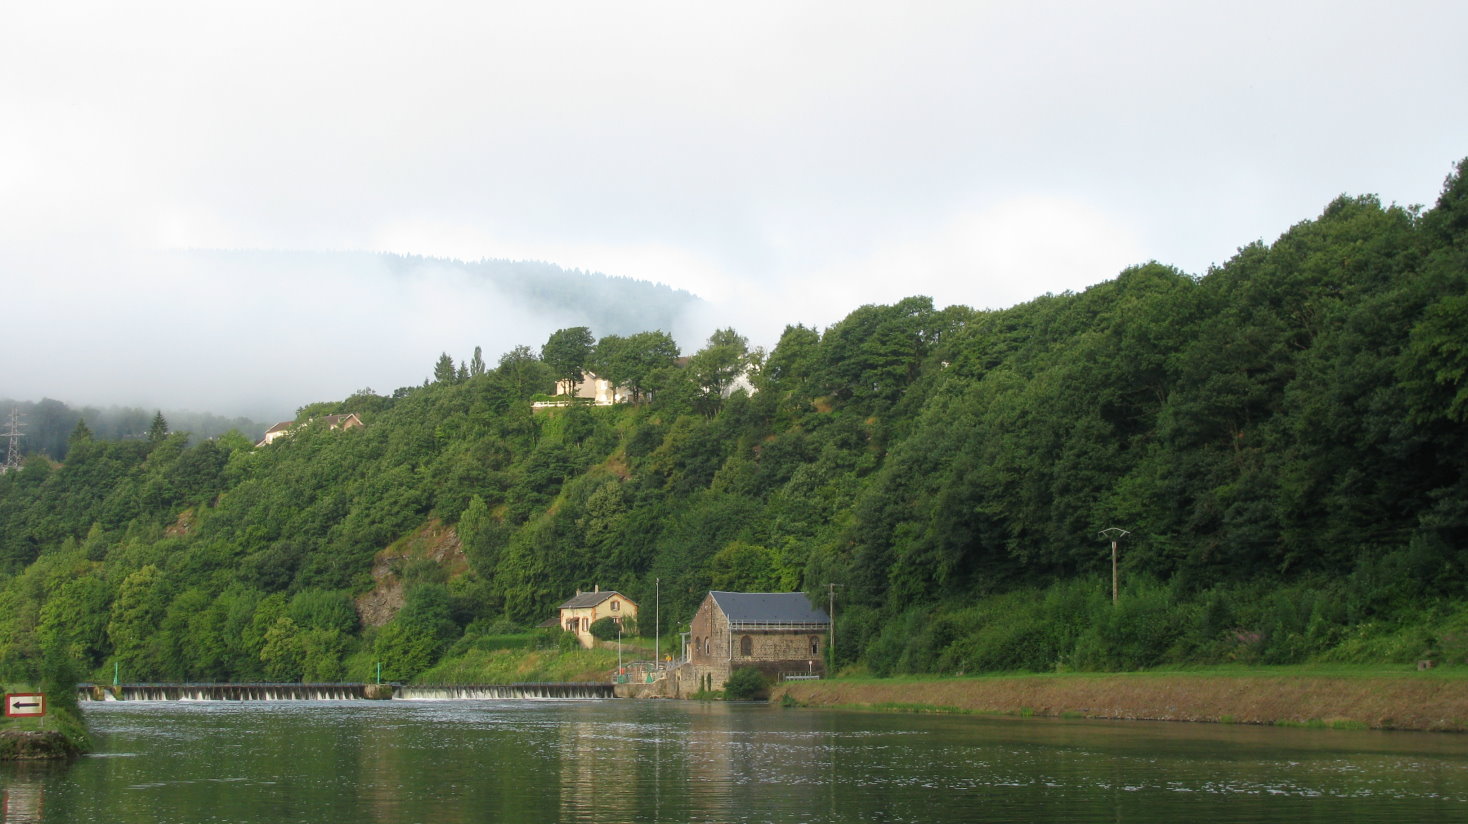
24, 703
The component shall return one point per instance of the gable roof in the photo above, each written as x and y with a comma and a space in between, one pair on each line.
769, 608
591, 599
332, 421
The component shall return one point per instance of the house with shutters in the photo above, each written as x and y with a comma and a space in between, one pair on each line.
579, 612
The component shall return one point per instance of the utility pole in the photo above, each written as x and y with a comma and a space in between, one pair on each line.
1114, 534
12, 453
831, 628
657, 625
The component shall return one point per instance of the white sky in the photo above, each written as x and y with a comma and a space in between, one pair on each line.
788, 161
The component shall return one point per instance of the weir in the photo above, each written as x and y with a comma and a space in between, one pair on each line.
459, 692
338, 692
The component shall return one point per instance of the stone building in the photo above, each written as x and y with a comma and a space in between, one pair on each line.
779, 633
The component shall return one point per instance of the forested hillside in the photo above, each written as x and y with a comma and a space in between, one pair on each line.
1285, 438
46, 425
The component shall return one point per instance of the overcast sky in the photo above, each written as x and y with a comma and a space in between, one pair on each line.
787, 161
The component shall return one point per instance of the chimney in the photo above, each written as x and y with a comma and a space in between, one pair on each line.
598, 587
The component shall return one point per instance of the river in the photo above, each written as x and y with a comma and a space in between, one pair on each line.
644, 761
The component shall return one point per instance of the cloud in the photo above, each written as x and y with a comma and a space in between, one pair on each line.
790, 161
247, 334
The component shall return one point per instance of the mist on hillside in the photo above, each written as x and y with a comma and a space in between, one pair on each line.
260, 334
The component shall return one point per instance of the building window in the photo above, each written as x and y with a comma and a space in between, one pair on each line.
616, 606
746, 646
815, 645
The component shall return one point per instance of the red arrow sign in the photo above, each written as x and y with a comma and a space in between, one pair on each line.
16, 704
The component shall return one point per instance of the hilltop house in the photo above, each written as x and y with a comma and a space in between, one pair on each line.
779, 633
578, 613
347, 421
598, 390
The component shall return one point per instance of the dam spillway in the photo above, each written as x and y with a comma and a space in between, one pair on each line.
471, 692
341, 692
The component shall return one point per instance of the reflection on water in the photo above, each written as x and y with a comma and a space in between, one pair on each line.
23, 790
471, 761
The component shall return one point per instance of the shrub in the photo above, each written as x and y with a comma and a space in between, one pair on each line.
568, 642
605, 629
747, 684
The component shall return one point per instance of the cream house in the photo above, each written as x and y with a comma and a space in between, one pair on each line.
577, 614
347, 421
598, 390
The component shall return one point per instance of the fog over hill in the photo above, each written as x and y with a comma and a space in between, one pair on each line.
259, 334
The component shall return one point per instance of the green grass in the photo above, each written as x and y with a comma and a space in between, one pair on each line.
1318, 724
58, 719
506, 666
923, 709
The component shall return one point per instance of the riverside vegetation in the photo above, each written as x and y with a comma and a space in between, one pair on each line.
1283, 436
61, 733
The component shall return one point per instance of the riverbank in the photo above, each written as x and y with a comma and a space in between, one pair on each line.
36, 745
59, 734
1436, 700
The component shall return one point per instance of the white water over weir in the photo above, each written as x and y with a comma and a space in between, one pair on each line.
339, 692
460, 692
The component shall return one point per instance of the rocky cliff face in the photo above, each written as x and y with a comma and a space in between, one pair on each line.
432, 542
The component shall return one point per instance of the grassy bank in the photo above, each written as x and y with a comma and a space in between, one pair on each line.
507, 666
61, 733
1357, 697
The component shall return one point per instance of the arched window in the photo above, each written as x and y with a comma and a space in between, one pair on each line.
746, 646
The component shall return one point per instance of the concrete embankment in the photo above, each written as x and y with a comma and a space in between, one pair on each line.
1423, 702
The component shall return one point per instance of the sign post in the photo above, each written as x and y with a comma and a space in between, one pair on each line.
25, 704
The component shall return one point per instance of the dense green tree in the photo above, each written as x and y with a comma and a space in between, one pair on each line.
524, 374
717, 366
444, 371
636, 361
158, 430
567, 352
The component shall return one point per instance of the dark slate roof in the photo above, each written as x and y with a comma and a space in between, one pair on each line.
769, 608
591, 599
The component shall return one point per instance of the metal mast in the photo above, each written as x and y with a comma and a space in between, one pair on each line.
12, 453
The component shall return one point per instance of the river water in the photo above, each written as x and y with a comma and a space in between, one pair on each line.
642, 761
